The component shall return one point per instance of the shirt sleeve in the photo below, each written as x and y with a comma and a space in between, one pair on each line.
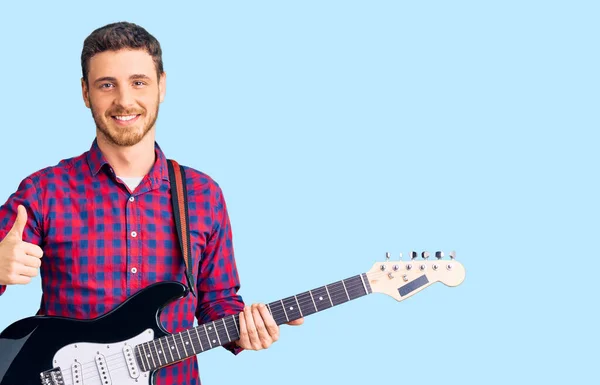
27, 195
218, 280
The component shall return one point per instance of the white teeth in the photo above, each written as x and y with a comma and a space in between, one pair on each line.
126, 117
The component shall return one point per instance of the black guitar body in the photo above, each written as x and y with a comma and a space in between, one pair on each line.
27, 347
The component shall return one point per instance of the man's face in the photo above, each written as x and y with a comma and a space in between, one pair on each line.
123, 92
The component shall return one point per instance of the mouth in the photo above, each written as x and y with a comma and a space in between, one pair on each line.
125, 120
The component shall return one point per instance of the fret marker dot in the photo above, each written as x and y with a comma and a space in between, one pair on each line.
291, 308
210, 328
320, 298
187, 342
148, 355
172, 347
214, 341
159, 352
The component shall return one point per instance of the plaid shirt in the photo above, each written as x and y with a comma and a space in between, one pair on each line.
102, 243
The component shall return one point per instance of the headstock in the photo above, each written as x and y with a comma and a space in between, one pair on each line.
401, 279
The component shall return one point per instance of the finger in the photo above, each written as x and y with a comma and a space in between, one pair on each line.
21, 280
33, 250
243, 341
269, 322
263, 334
27, 271
20, 222
251, 327
28, 260
296, 322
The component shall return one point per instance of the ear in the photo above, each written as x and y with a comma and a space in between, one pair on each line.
85, 93
162, 86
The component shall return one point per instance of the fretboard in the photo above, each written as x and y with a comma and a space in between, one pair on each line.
176, 347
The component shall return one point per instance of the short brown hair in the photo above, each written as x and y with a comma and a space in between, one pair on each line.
116, 36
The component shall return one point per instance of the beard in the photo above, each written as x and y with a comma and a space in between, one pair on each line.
125, 136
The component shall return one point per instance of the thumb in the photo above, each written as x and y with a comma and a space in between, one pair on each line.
20, 222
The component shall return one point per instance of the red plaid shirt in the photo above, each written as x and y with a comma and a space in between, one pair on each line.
102, 243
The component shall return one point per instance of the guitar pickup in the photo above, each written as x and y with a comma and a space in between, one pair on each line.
103, 369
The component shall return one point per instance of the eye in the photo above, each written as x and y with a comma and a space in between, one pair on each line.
106, 85
139, 83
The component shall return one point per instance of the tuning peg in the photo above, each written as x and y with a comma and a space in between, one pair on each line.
439, 254
400, 256
425, 254
387, 256
452, 254
413, 255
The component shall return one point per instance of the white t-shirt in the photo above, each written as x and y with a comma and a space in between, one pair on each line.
131, 182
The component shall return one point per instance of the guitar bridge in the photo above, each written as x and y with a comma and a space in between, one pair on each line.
52, 377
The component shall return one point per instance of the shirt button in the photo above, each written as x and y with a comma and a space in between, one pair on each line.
133, 270
133, 234
131, 199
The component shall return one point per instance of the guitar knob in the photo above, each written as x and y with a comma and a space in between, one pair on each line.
452, 254
413, 255
439, 254
425, 254
387, 256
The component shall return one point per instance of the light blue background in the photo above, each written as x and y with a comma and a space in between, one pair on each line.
342, 130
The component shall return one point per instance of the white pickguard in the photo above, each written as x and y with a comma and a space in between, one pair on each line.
102, 364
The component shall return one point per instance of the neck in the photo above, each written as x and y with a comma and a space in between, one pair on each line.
132, 161
176, 347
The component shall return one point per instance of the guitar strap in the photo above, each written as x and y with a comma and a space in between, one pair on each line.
180, 210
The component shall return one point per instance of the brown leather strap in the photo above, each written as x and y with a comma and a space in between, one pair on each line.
180, 210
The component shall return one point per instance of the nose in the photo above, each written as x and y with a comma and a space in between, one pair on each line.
125, 97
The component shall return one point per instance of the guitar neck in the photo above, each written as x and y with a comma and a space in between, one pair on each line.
176, 347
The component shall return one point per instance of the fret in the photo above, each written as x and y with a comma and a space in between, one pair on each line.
157, 355
321, 298
226, 331
183, 344
284, 311
140, 360
232, 328
338, 294
150, 355
306, 303
236, 325
205, 341
356, 287
207, 336
191, 342
313, 300
199, 340
212, 333
171, 347
346, 290
364, 284
291, 308
329, 295
163, 350
176, 347
278, 312
299, 308
217, 332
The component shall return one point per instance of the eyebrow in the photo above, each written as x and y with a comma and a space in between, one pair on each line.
114, 80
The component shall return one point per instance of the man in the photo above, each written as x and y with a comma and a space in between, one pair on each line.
100, 226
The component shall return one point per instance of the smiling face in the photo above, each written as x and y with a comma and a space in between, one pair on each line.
123, 91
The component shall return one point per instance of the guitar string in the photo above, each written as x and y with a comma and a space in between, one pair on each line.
333, 293
119, 356
280, 313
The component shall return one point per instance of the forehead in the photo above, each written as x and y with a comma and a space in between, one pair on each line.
122, 63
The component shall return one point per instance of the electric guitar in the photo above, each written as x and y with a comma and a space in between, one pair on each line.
128, 345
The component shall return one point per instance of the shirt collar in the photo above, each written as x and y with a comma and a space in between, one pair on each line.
159, 170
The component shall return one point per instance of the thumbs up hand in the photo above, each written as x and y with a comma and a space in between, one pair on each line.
19, 261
